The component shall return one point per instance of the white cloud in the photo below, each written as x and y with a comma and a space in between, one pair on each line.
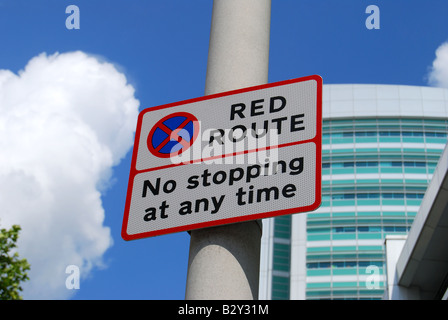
438, 75
65, 121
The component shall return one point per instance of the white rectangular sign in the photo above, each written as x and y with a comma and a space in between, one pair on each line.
235, 156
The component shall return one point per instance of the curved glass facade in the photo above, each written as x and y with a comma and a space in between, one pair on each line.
381, 145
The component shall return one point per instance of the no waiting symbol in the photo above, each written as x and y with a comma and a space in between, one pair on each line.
173, 134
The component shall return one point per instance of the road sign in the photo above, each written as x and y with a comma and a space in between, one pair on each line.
241, 155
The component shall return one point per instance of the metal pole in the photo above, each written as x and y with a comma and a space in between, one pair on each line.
224, 261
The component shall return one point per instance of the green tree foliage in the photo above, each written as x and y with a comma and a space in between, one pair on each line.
12, 269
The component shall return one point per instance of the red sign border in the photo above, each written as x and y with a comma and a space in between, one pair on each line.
317, 140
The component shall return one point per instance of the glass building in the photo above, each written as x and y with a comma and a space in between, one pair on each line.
381, 144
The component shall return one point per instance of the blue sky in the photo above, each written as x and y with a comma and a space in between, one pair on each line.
161, 47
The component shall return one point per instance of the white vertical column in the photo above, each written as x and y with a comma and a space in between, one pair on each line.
266, 258
224, 261
298, 257
394, 246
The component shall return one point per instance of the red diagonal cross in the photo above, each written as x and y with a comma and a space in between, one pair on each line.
174, 135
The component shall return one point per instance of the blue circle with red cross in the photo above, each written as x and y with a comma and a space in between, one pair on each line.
173, 134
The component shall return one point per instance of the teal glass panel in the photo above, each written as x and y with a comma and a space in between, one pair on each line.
389, 139
343, 214
320, 293
342, 171
436, 140
369, 214
344, 236
369, 202
344, 271
412, 202
319, 215
318, 257
282, 227
345, 284
280, 288
413, 140
318, 249
325, 203
370, 248
319, 237
344, 202
362, 236
318, 285
415, 170
318, 272
393, 202
345, 248
391, 170
342, 140
366, 140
